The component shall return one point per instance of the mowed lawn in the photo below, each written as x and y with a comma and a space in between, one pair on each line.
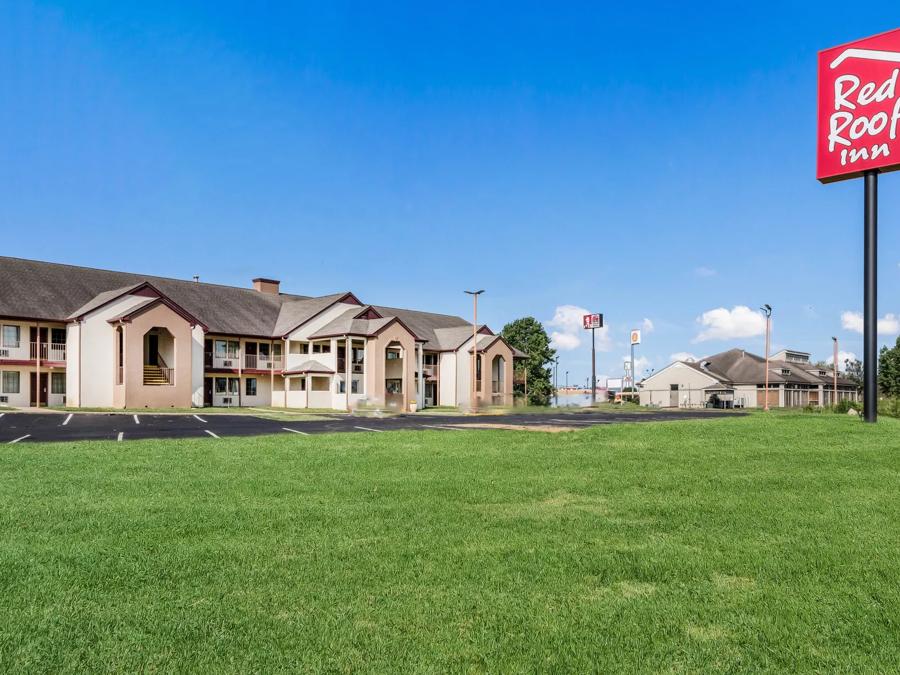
743, 543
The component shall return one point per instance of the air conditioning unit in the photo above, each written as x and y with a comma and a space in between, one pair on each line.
227, 364
4, 399
4, 353
227, 401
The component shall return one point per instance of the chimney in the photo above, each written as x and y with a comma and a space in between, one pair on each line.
266, 285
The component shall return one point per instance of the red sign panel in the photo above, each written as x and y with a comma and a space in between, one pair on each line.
592, 321
859, 107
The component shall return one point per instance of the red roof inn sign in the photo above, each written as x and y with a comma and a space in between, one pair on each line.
859, 107
858, 126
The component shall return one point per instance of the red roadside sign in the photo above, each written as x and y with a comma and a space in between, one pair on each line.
592, 321
859, 108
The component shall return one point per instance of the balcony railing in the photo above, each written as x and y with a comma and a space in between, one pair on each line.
263, 362
49, 351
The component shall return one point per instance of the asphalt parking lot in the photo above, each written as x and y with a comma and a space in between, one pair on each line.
24, 427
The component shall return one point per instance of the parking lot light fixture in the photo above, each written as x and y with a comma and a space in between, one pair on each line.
474, 294
767, 310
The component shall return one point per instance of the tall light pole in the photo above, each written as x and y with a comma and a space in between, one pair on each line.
834, 398
555, 380
567, 381
767, 310
474, 294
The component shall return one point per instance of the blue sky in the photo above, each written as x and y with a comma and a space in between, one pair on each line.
651, 161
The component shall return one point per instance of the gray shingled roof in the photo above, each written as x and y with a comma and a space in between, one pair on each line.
31, 289
53, 292
346, 324
101, 299
295, 312
738, 366
309, 367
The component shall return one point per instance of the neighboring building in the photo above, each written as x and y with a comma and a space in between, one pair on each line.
736, 378
85, 337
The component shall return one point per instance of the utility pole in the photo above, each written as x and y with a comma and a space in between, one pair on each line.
834, 397
474, 404
767, 310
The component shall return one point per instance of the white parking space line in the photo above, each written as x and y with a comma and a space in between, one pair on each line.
20, 438
66, 421
574, 421
200, 418
210, 433
294, 431
2, 414
444, 428
378, 431
120, 436
136, 420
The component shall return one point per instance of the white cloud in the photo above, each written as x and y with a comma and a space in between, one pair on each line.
842, 358
705, 272
889, 324
725, 324
568, 331
647, 326
682, 356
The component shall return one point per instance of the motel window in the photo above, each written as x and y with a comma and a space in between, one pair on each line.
430, 359
226, 349
392, 355
57, 383
354, 385
250, 389
323, 347
298, 384
10, 382
297, 347
58, 336
234, 386
11, 336
221, 385
276, 351
264, 351
319, 384
394, 386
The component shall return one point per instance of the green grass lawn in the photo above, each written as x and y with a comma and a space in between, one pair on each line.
742, 543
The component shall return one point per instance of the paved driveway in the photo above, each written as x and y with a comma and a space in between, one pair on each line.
23, 427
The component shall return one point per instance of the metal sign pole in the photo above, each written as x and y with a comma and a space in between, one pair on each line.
633, 376
593, 369
870, 299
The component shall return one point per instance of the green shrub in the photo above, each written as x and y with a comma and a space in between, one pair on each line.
845, 406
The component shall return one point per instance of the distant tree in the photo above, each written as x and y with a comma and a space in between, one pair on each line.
889, 370
529, 335
853, 370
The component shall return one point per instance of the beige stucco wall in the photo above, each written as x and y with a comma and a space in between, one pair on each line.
375, 365
447, 379
138, 395
486, 397
656, 390
98, 353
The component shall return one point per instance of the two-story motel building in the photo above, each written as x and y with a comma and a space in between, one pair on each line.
83, 337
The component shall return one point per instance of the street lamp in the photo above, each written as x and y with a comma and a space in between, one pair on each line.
767, 310
474, 294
